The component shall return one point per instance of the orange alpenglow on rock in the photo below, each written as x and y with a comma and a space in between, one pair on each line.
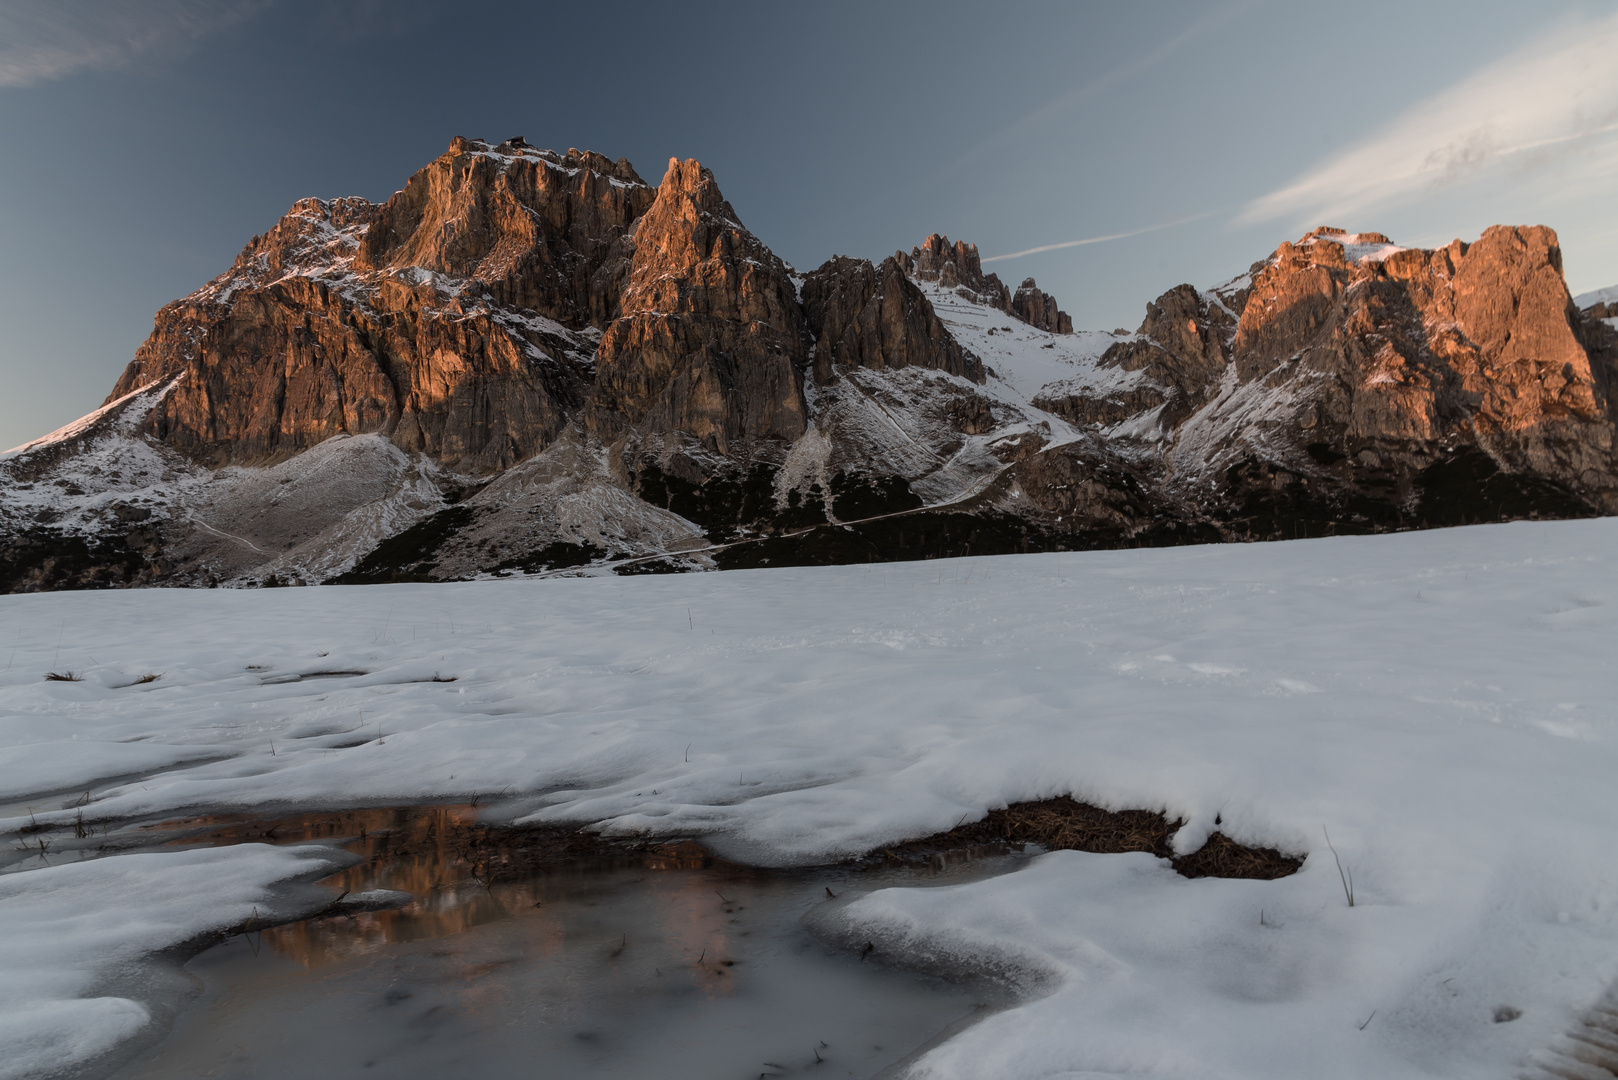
528, 360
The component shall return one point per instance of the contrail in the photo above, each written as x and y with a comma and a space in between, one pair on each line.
1093, 239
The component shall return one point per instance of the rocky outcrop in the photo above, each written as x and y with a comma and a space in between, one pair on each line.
1369, 386
1182, 348
710, 340
454, 318
540, 231
1037, 308
956, 267
875, 317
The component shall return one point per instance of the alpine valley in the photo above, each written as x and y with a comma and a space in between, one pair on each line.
533, 362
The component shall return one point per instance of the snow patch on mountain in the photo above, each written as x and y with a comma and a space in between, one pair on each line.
312, 516
120, 416
1026, 359
1609, 295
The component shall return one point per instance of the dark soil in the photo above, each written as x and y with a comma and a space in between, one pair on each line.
1063, 824
442, 844
493, 853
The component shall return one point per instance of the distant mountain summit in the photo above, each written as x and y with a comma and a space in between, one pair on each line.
527, 361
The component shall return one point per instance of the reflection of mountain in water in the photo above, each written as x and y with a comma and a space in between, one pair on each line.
650, 962
461, 874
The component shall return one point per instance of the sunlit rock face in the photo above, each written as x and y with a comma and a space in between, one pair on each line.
534, 361
458, 318
710, 341
1349, 382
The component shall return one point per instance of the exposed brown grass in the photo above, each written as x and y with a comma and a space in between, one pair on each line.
1221, 856
62, 676
1064, 824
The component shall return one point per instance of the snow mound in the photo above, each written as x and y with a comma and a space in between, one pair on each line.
65, 931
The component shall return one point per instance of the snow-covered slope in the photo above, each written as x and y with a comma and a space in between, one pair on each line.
1027, 359
300, 521
1438, 701
1609, 295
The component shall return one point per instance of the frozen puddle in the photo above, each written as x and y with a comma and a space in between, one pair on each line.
661, 964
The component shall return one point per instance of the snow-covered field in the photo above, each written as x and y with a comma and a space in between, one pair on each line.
1442, 702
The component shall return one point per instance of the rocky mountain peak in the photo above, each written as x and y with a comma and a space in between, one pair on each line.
711, 341
955, 266
314, 235
530, 359
692, 255
534, 226
875, 317
959, 268
1038, 308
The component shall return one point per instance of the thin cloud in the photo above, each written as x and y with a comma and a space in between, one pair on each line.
1040, 118
1093, 239
1527, 112
42, 40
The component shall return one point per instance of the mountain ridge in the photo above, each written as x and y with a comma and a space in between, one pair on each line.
527, 361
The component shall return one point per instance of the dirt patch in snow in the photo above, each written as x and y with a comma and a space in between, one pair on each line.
1065, 824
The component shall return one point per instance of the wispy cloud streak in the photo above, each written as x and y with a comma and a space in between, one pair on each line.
1094, 239
1041, 118
41, 40
1527, 111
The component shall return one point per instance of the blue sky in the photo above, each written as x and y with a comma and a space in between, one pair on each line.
1140, 145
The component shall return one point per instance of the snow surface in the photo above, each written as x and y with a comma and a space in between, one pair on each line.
67, 931
1609, 295
1442, 702
1371, 251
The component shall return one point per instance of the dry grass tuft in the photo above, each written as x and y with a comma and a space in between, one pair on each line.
1065, 824
1223, 857
62, 676
1062, 824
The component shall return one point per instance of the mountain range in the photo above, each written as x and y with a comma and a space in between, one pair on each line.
533, 362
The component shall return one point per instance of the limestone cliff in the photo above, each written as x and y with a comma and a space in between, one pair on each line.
709, 339
875, 317
528, 361
458, 317
1361, 384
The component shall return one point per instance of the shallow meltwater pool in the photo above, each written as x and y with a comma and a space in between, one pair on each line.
658, 963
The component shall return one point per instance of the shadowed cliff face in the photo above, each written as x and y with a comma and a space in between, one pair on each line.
875, 317
528, 361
